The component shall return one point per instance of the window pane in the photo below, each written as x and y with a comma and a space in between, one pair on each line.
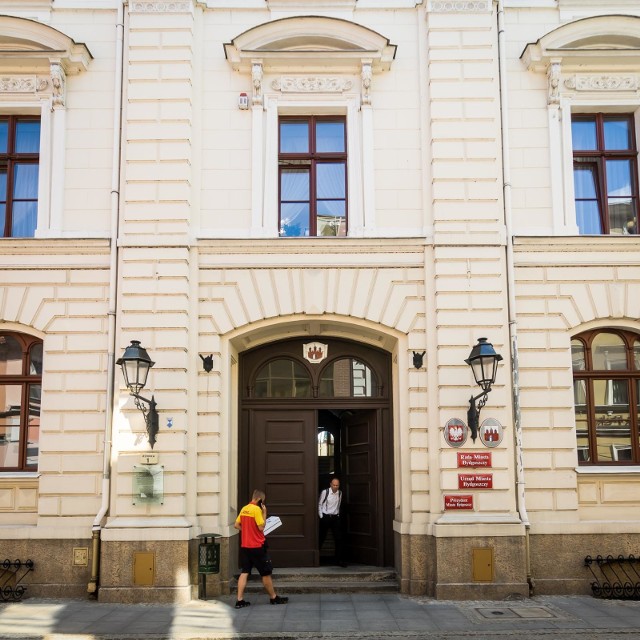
584, 181
4, 133
347, 378
583, 133
330, 180
325, 444
617, 134
25, 181
618, 178
621, 216
588, 217
608, 352
582, 424
33, 428
613, 432
24, 219
10, 357
3, 184
294, 137
578, 355
294, 185
636, 353
294, 220
282, 379
27, 137
331, 218
35, 360
10, 410
330, 137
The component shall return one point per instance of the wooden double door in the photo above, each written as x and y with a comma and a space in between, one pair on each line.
279, 453
284, 460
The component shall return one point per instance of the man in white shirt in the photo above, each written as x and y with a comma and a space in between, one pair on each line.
329, 505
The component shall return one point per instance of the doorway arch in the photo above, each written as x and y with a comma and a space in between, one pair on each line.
290, 392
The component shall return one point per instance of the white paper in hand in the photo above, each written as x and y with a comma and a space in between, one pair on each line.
272, 522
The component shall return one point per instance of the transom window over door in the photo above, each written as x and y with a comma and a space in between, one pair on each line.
19, 165
606, 390
312, 163
605, 173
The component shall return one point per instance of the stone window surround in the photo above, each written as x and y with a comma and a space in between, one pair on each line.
35, 60
591, 66
310, 65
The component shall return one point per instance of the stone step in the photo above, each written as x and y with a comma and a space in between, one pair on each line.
354, 579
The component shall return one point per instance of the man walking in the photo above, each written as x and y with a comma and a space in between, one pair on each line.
253, 549
329, 506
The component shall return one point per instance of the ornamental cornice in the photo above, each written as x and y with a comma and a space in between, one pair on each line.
602, 82
311, 84
459, 6
160, 7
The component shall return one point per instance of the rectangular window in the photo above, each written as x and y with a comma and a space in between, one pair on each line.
312, 159
19, 164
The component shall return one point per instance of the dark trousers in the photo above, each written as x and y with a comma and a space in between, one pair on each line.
335, 524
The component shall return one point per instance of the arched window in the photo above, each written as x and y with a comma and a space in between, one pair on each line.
282, 378
20, 392
347, 378
606, 392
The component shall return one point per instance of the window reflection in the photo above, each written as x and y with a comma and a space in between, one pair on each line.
347, 378
578, 355
608, 352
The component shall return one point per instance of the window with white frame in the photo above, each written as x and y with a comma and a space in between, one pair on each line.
32, 102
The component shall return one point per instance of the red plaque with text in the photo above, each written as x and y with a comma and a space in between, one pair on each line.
475, 481
474, 459
458, 502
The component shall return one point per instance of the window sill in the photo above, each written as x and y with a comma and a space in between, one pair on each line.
604, 470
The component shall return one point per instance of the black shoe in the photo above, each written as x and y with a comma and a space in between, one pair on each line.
241, 604
279, 600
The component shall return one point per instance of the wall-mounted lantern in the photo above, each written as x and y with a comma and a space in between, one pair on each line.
135, 363
483, 361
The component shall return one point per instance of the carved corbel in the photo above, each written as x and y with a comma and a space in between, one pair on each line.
59, 84
256, 79
367, 75
553, 76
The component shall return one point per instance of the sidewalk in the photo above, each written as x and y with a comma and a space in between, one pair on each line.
337, 616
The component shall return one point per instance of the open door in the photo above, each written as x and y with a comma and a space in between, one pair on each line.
360, 487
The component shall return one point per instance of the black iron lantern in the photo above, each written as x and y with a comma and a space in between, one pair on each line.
483, 361
135, 363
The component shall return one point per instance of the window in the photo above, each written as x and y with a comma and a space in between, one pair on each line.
605, 173
347, 378
20, 392
606, 391
282, 378
19, 160
312, 163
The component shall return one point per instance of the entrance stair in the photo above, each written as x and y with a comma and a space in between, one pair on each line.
328, 579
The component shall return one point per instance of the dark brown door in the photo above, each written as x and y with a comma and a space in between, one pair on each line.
283, 461
360, 488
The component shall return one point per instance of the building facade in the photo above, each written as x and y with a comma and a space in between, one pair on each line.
308, 213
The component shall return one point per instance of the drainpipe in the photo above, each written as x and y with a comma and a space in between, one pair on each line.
92, 587
511, 296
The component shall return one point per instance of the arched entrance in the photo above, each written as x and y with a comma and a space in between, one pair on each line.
312, 408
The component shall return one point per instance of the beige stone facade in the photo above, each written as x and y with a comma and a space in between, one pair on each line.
157, 220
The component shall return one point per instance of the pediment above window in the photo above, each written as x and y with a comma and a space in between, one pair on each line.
603, 42
32, 47
310, 43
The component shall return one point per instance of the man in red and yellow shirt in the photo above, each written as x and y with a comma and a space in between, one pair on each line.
253, 549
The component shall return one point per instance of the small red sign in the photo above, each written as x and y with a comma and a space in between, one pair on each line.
475, 481
458, 502
475, 459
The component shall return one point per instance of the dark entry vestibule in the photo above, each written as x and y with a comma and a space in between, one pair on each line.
312, 409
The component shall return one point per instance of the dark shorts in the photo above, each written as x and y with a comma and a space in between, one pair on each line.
258, 558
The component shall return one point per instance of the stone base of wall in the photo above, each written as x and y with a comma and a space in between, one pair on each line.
54, 574
443, 567
557, 561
